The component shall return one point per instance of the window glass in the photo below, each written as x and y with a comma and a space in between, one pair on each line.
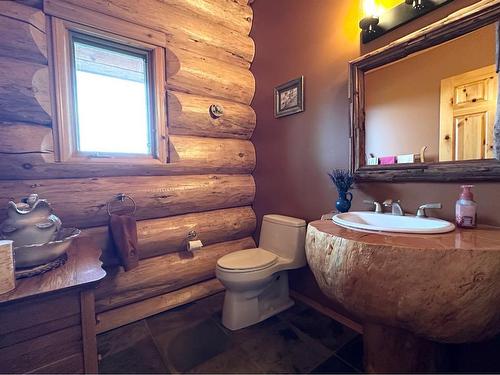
111, 98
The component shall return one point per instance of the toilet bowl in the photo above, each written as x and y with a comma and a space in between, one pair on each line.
256, 280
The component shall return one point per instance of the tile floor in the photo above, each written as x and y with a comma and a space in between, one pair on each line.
191, 339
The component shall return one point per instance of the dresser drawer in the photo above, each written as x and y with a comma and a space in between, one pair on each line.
37, 311
39, 352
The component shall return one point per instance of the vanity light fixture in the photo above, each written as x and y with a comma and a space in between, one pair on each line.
378, 21
369, 23
369, 27
416, 4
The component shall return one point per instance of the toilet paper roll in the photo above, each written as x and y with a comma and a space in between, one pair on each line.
194, 245
7, 275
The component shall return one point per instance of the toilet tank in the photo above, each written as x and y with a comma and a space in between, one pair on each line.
284, 236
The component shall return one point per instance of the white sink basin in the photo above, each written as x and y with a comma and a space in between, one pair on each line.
390, 223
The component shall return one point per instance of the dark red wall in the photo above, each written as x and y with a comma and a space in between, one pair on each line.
317, 38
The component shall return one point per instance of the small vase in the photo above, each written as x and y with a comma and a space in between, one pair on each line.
343, 204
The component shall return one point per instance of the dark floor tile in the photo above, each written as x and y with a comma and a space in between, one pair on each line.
232, 361
121, 338
297, 308
186, 347
217, 316
334, 365
211, 305
180, 317
277, 348
330, 333
352, 353
141, 358
192, 338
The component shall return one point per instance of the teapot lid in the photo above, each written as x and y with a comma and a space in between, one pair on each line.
28, 204
30, 200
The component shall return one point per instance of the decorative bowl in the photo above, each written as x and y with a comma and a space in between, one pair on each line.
38, 254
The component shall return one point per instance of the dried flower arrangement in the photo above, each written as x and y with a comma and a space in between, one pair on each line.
342, 179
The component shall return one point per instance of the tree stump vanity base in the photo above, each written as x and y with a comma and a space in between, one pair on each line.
392, 350
440, 288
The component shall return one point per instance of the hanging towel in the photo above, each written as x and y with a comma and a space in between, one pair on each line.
123, 229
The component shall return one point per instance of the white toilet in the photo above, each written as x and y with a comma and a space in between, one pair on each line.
256, 280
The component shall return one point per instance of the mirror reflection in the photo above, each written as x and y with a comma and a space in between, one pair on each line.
437, 105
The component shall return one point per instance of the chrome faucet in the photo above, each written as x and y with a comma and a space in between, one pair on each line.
378, 206
395, 206
421, 210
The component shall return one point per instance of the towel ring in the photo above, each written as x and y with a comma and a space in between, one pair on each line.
121, 198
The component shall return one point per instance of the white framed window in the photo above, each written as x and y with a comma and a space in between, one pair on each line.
109, 95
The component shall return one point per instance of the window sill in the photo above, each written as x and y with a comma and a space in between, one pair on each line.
112, 160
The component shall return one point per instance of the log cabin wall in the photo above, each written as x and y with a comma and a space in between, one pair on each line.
206, 186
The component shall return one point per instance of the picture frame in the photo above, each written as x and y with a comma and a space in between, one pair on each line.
289, 98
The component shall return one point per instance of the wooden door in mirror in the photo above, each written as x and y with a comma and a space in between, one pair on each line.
471, 132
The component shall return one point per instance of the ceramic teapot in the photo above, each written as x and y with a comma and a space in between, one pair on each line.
30, 222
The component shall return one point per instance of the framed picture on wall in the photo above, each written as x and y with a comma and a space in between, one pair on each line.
289, 98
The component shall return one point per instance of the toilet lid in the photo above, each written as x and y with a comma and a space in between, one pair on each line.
249, 259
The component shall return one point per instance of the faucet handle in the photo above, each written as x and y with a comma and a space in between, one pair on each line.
422, 208
378, 206
389, 202
395, 207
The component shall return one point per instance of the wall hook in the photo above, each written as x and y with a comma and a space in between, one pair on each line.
216, 110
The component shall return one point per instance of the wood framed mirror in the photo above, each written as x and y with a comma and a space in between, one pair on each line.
452, 110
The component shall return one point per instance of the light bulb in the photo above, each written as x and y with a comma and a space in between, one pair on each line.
370, 8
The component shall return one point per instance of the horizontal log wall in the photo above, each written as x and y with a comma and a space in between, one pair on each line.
190, 114
205, 187
194, 74
27, 14
26, 36
24, 91
82, 202
183, 28
29, 166
34, 156
20, 139
225, 155
167, 235
163, 274
195, 81
227, 13
119, 316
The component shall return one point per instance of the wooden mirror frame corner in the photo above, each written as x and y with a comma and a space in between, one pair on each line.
464, 21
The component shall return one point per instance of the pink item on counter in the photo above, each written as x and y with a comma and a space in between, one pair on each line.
466, 208
386, 160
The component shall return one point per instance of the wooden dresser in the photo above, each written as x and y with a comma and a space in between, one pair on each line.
47, 324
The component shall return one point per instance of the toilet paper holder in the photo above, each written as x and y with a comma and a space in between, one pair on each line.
192, 241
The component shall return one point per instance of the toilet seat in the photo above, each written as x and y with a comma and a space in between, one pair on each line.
247, 260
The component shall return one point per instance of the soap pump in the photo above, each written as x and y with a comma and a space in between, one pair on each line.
466, 208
